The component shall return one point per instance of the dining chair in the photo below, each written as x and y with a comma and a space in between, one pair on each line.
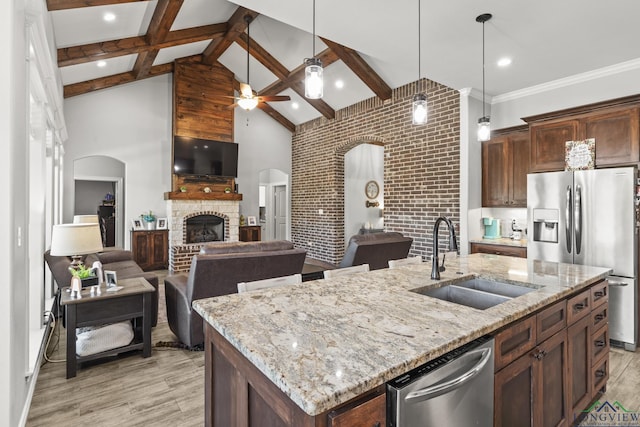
395, 263
362, 268
294, 279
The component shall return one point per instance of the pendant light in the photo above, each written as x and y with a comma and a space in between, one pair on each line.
419, 104
313, 71
484, 124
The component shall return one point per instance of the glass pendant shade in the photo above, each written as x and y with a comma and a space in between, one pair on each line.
420, 112
484, 129
247, 103
313, 84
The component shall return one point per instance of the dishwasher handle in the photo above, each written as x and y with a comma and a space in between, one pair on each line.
446, 387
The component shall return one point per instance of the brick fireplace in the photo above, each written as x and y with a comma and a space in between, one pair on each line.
179, 212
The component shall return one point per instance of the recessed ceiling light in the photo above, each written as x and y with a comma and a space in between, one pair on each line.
102, 64
503, 62
295, 105
109, 17
339, 84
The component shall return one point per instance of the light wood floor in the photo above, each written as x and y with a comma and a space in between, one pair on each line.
167, 388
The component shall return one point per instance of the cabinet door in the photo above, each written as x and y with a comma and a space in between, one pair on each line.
519, 168
616, 135
516, 251
371, 413
495, 189
513, 390
159, 247
140, 248
548, 144
579, 342
553, 407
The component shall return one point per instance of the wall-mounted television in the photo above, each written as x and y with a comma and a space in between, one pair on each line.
202, 157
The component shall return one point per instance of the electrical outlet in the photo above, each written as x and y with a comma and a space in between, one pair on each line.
320, 211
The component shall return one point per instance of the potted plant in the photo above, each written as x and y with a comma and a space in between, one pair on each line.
85, 274
227, 190
183, 189
149, 220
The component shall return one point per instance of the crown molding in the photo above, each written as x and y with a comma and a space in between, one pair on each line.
631, 65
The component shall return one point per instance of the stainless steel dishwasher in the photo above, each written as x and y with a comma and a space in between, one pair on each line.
453, 390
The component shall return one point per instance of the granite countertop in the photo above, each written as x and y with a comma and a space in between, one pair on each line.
522, 243
325, 342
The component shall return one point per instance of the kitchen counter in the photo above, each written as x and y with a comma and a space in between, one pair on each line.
505, 241
325, 342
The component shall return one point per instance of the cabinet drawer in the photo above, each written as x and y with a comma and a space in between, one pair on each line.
599, 375
515, 341
578, 306
371, 413
506, 250
599, 294
551, 320
600, 344
599, 316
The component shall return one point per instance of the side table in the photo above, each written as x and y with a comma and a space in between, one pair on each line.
133, 301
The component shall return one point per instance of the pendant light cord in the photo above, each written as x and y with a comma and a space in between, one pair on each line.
248, 47
313, 39
483, 103
419, 49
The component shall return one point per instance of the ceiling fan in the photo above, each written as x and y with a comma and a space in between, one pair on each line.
249, 99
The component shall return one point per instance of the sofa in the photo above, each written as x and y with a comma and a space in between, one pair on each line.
375, 249
119, 260
217, 270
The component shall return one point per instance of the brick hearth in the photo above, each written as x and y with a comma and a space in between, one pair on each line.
178, 211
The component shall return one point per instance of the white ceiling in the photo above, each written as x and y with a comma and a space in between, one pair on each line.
546, 40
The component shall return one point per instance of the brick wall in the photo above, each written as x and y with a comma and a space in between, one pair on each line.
421, 169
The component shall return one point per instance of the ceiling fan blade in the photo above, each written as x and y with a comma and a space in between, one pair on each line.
272, 98
245, 90
232, 106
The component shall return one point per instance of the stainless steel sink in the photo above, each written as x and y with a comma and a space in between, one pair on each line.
477, 293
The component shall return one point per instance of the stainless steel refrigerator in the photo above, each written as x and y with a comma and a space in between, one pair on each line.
589, 217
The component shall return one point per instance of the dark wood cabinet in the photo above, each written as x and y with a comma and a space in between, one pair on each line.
368, 413
485, 248
551, 365
250, 233
150, 249
614, 124
505, 164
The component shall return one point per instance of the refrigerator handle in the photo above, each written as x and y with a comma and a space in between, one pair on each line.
567, 219
577, 218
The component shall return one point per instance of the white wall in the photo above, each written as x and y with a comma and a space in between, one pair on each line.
131, 123
264, 144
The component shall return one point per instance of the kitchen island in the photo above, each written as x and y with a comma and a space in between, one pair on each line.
297, 353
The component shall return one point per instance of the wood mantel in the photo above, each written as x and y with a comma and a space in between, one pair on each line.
178, 195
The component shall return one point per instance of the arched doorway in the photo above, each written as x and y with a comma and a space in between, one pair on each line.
274, 204
94, 177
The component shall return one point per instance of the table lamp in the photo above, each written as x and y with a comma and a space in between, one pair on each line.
86, 219
75, 240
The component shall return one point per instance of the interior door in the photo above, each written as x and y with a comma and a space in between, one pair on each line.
280, 211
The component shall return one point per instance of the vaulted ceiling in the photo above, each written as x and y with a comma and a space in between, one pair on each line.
368, 46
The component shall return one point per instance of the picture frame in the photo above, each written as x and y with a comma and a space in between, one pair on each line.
251, 220
136, 224
161, 224
110, 278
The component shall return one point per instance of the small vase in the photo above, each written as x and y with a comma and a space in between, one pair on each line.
151, 225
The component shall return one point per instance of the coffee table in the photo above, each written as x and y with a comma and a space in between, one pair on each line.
133, 301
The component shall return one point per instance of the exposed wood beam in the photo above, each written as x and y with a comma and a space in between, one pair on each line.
324, 108
132, 45
277, 116
359, 66
236, 26
264, 57
111, 81
162, 20
73, 4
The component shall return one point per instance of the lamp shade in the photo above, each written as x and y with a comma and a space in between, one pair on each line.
86, 219
313, 82
484, 129
420, 113
248, 103
75, 239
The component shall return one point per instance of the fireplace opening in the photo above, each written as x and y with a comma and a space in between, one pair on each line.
205, 228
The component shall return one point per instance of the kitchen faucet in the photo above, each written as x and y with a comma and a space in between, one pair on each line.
453, 246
